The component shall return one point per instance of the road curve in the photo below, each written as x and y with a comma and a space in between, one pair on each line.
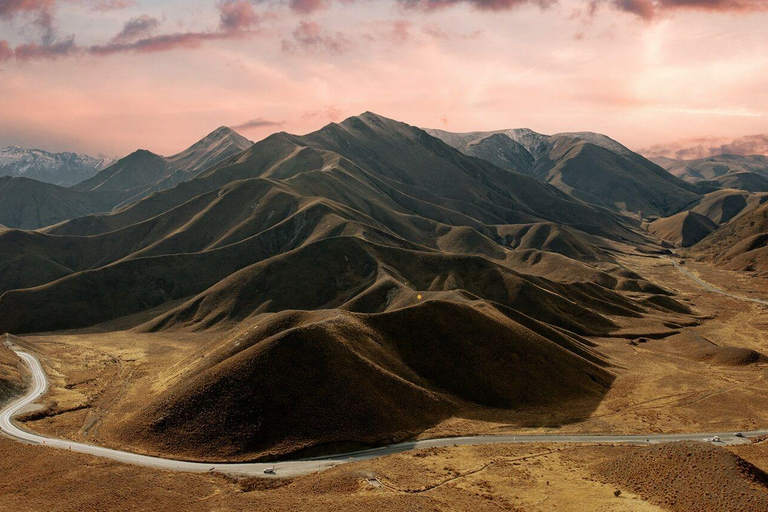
39, 385
712, 288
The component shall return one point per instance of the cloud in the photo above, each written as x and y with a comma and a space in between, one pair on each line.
308, 6
46, 51
111, 5
257, 123
704, 147
486, 5
310, 35
6, 52
329, 113
237, 19
237, 15
135, 28
649, 9
41, 11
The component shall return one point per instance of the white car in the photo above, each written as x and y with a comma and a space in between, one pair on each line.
716, 439
270, 471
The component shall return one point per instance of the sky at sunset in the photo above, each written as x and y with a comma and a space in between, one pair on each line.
111, 76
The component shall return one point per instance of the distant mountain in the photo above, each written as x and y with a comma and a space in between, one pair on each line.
589, 166
63, 169
31, 204
723, 171
143, 172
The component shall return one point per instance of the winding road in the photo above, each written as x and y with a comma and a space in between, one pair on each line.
713, 288
39, 386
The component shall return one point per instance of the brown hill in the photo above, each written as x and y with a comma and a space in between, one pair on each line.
294, 380
723, 205
684, 229
12, 374
689, 477
742, 244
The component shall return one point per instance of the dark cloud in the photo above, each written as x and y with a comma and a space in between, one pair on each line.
135, 28
257, 123
310, 35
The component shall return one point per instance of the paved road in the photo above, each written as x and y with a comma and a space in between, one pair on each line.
712, 288
293, 468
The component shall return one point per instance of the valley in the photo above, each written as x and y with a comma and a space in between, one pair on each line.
370, 288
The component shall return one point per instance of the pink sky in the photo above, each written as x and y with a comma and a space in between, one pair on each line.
112, 76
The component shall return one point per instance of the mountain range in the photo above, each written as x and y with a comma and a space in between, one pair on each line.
32, 204
585, 165
64, 169
741, 172
366, 281
359, 263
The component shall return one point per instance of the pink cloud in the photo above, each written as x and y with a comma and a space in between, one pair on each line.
6, 52
111, 5
256, 124
50, 51
309, 34
237, 15
309, 6
487, 5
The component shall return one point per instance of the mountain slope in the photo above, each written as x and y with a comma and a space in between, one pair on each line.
144, 172
64, 169
588, 166
742, 244
723, 205
724, 171
683, 229
31, 204
361, 379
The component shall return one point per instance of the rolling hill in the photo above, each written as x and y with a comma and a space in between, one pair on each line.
336, 261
